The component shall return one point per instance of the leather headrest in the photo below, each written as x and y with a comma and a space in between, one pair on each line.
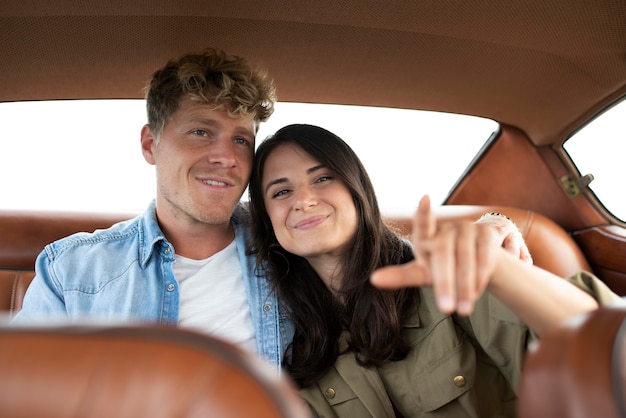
136, 371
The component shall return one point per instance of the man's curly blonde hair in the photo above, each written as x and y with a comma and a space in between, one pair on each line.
224, 82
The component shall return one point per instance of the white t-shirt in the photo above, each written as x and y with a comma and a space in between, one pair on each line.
213, 297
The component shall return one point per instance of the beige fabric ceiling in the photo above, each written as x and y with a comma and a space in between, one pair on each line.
542, 66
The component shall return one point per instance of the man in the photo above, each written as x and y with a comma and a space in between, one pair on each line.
182, 262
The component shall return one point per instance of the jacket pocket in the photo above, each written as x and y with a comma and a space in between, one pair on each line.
439, 369
332, 397
349, 390
450, 378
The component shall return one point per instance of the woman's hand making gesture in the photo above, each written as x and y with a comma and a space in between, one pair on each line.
463, 259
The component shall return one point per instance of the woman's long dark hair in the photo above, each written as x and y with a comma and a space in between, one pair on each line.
373, 317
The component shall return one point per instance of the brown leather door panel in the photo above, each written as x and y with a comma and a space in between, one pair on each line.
605, 249
513, 172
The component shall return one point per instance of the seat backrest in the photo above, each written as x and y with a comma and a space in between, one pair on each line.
551, 247
136, 371
578, 370
13, 285
23, 236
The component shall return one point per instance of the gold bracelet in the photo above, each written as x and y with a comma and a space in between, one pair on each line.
497, 214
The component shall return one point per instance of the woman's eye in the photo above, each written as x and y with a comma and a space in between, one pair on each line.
322, 179
280, 193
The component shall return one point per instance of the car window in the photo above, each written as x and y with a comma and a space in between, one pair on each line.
599, 149
85, 155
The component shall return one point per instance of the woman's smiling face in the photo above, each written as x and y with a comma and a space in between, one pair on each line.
311, 210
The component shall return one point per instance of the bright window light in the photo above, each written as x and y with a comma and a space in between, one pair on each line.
86, 156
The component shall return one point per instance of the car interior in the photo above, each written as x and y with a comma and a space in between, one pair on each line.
542, 70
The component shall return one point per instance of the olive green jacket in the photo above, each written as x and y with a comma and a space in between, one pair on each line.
457, 366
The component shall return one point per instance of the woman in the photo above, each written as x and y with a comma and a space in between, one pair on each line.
445, 348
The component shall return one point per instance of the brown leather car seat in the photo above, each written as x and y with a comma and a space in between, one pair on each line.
136, 371
13, 285
578, 370
24, 234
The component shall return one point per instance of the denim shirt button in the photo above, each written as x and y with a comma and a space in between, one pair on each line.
170, 287
167, 250
267, 308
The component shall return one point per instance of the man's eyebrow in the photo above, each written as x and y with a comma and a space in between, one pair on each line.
246, 132
204, 120
284, 179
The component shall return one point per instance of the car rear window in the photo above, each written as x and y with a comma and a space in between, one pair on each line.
84, 155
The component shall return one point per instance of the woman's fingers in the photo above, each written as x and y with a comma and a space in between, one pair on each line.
424, 222
461, 260
442, 262
465, 266
516, 245
455, 258
405, 275
510, 236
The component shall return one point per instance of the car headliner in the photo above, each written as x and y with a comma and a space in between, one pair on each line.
542, 66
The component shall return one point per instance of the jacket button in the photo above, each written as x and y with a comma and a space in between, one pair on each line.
267, 308
330, 393
459, 381
170, 287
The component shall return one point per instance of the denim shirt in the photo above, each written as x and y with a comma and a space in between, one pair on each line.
124, 274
